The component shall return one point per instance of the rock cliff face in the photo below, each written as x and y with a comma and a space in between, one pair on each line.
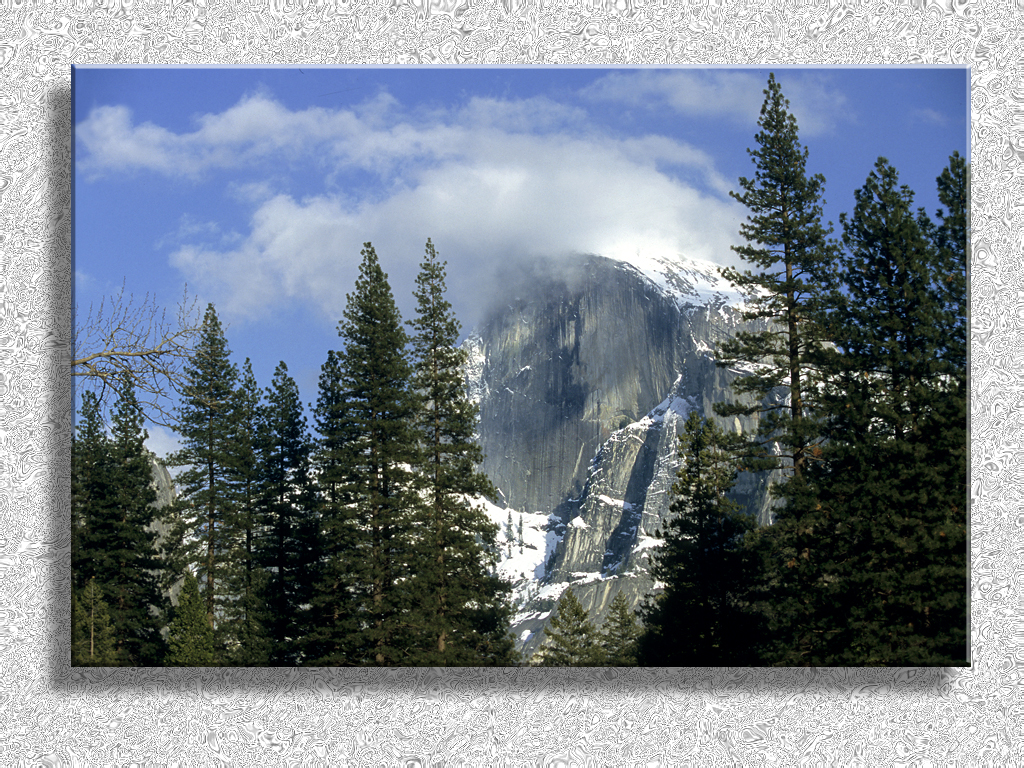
166, 492
584, 380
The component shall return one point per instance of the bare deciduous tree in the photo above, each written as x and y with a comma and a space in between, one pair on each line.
123, 338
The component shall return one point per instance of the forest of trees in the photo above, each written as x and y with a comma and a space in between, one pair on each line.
865, 562
354, 544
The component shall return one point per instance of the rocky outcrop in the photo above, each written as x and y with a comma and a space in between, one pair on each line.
166, 493
584, 380
564, 368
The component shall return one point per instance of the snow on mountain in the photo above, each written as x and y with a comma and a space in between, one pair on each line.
526, 541
690, 282
604, 360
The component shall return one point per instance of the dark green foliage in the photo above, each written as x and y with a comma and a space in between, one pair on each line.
113, 548
243, 620
133, 591
696, 620
619, 634
570, 637
289, 526
207, 527
876, 572
191, 639
92, 490
365, 592
93, 642
949, 239
787, 241
462, 613
334, 432
332, 614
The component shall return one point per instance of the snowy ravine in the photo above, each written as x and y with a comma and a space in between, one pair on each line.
583, 383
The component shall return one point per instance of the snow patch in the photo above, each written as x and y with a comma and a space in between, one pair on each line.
523, 565
647, 542
625, 506
474, 368
586, 577
689, 282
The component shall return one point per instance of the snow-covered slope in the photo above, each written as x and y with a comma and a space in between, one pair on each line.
689, 282
583, 386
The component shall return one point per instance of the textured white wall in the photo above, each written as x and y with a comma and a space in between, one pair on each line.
521, 716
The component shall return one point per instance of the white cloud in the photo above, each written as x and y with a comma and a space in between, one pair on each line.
162, 441
255, 127
730, 94
515, 197
490, 182
931, 116
83, 280
734, 95
190, 227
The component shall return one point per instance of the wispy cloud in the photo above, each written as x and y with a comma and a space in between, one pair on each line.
929, 116
162, 441
734, 95
490, 182
189, 227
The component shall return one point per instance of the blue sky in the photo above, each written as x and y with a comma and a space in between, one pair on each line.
257, 187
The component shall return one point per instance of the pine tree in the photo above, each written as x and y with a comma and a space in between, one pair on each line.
787, 241
136, 602
245, 618
876, 574
332, 618
191, 641
206, 508
695, 620
93, 643
570, 637
92, 489
335, 433
288, 516
112, 545
949, 239
462, 611
365, 590
90, 466
619, 634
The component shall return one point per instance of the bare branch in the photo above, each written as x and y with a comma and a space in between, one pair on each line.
124, 338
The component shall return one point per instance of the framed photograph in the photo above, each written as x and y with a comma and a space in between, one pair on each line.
520, 366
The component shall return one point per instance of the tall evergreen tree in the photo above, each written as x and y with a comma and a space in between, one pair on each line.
113, 547
570, 637
949, 239
367, 572
334, 433
620, 634
206, 508
288, 516
137, 604
90, 495
789, 244
191, 641
332, 617
463, 607
696, 619
93, 642
876, 573
245, 618
92, 489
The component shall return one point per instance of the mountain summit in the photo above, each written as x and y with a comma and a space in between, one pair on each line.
584, 376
